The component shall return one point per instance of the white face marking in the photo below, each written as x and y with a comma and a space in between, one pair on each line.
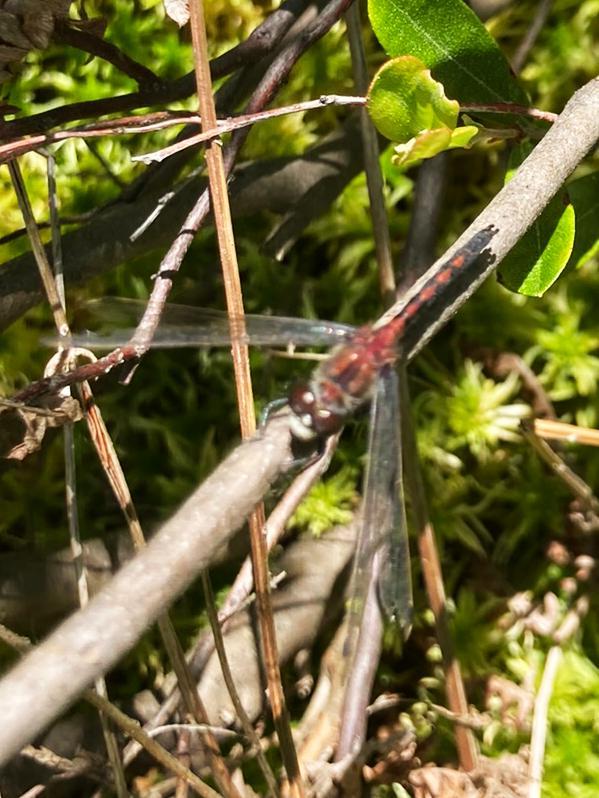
301, 427
308, 397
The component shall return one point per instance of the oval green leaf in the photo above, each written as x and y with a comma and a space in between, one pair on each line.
449, 38
404, 100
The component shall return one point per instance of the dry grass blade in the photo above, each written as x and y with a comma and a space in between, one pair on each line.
569, 433
222, 215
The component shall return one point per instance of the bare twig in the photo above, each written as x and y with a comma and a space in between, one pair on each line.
435, 589
39, 252
243, 382
568, 433
575, 484
146, 123
529, 39
246, 120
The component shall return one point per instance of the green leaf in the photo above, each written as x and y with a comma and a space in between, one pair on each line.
407, 105
584, 196
432, 142
539, 258
448, 37
404, 100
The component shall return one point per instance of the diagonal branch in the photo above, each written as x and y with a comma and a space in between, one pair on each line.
95, 638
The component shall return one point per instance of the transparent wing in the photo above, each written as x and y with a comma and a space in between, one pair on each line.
384, 527
186, 326
395, 581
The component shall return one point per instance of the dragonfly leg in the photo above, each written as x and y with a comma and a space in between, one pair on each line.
271, 408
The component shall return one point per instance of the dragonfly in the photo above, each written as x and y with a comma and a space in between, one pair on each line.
358, 370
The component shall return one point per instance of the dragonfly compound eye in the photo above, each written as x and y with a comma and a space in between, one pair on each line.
311, 417
302, 402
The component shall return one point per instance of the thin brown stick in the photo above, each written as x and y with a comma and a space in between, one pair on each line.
39, 252
246, 120
146, 123
433, 579
224, 228
424, 216
54, 286
568, 433
575, 484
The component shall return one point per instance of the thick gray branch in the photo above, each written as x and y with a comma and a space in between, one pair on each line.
521, 201
89, 643
85, 646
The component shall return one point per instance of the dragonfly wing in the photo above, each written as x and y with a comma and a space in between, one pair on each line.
395, 582
384, 530
186, 326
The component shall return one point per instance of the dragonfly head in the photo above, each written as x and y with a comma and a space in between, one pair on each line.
311, 419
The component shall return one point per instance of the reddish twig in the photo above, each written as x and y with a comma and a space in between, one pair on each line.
510, 108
